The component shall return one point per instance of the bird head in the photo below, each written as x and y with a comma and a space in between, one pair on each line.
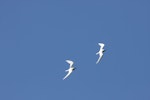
104, 50
74, 68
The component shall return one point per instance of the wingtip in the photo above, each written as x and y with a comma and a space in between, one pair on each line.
97, 62
101, 44
63, 79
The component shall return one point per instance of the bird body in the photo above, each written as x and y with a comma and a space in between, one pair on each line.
70, 70
100, 52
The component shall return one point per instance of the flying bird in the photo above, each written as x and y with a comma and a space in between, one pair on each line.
100, 52
71, 68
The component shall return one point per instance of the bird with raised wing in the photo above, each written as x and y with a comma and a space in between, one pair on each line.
100, 52
71, 68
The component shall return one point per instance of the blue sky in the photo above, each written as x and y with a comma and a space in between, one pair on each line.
37, 36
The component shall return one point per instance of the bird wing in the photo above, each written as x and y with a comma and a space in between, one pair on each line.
102, 45
69, 72
97, 53
100, 56
69, 62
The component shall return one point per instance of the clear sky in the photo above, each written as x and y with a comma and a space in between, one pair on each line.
37, 36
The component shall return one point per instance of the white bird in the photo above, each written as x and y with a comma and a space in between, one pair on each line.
100, 53
71, 68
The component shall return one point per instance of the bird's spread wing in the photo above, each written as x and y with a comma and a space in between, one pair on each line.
102, 45
97, 53
100, 56
69, 62
69, 72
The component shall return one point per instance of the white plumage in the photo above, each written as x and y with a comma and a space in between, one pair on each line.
100, 52
71, 68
